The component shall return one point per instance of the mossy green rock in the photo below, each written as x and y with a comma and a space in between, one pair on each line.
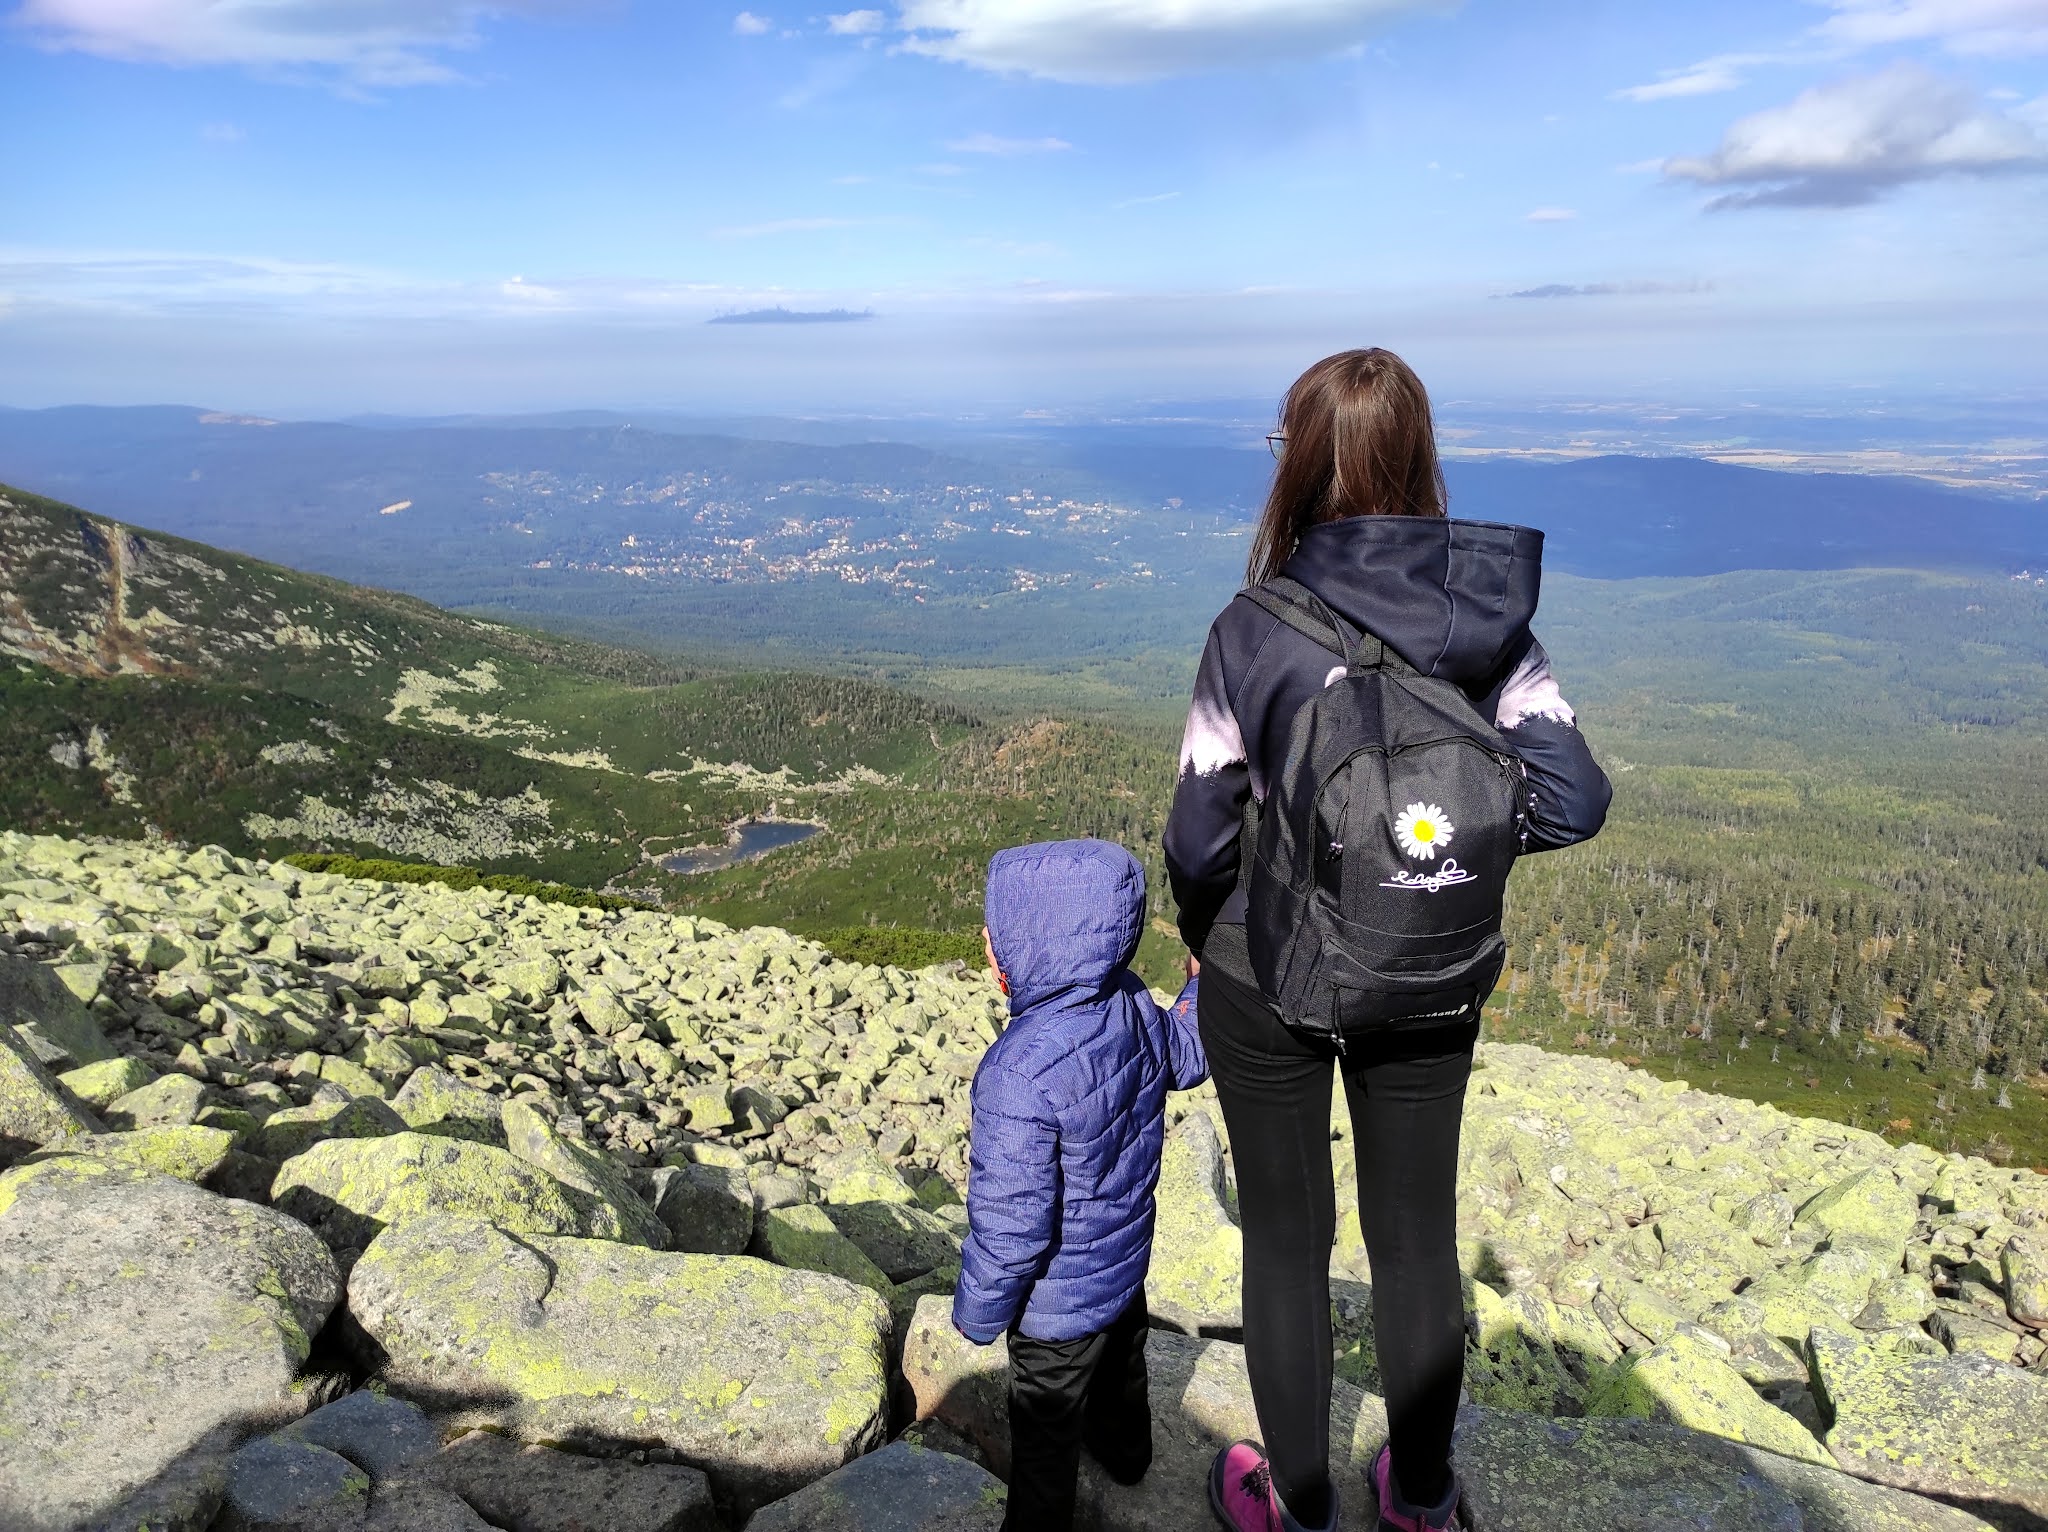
2024, 1267
1870, 1207
864, 1176
190, 1154
100, 1085
350, 1190
1511, 1364
434, 1101
353, 1078
57, 1027
1688, 1383
906, 1242
34, 1109
765, 1378
594, 1182
1963, 1427
145, 1326
1523, 1473
805, 1238
296, 1129
902, 1488
1196, 1280
174, 1101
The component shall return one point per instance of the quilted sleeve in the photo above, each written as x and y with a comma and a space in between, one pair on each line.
1013, 1202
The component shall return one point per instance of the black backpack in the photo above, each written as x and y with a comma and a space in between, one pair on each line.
1376, 868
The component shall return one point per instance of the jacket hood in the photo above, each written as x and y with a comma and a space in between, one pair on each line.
1452, 598
1063, 916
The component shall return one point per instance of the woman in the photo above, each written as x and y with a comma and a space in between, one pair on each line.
1357, 514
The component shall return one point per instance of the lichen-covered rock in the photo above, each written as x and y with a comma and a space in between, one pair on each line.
765, 1378
100, 1085
1525, 1474
707, 1209
144, 1325
1511, 1363
902, 1488
903, 1240
864, 1176
1201, 1402
805, 1238
1963, 1427
174, 1101
1869, 1206
1196, 1280
2024, 1268
49, 1018
604, 1197
1689, 1383
295, 1129
190, 1154
434, 1101
34, 1110
537, 1489
350, 1190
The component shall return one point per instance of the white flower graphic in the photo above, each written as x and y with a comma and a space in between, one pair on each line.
1422, 830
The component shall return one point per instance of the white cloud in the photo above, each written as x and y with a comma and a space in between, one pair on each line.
1706, 78
747, 24
855, 23
364, 42
989, 143
1983, 27
1849, 142
1551, 215
1156, 197
222, 133
1117, 41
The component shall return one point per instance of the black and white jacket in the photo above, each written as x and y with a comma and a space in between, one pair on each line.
1453, 599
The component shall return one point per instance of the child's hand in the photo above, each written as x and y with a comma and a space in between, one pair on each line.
1194, 966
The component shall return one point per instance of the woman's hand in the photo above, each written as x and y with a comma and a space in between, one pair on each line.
1193, 966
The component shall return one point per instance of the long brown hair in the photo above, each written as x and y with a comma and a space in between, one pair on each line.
1360, 442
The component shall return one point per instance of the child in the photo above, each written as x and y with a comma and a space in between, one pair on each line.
1069, 1119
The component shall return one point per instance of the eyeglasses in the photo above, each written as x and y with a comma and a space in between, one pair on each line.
1275, 441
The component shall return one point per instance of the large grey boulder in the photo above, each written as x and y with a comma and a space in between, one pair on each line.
707, 1209
276, 1483
1196, 1280
904, 1240
144, 1325
902, 1488
349, 1190
1964, 1427
764, 1378
57, 1027
537, 1489
34, 1109
597, 1184
1201, 1402
1523, 1473
434, 1101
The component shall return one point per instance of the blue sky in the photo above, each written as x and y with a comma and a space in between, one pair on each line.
311, 206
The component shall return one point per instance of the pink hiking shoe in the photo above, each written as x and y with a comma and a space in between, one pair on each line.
1397, 1515
1241, 1493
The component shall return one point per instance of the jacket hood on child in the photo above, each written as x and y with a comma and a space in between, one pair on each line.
1063, 916
1070, 1102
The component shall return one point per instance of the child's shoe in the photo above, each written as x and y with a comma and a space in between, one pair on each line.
1241, 1493
1397, 1515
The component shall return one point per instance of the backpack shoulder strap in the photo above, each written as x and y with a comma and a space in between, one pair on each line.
1304, 611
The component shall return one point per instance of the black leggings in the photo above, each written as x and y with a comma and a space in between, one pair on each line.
1406, 1092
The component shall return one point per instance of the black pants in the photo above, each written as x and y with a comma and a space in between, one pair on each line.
1406, 1092
1068, 1394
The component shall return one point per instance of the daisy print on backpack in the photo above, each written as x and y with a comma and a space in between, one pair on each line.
1423, 829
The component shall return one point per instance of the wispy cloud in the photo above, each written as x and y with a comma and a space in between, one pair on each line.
1993, 28
383, 43
856, 23
990, 143
222, 133
783, 226
1156, 197
747, 24
1851, 141
1609, 289
1118, 41
1550, 215
1724, 72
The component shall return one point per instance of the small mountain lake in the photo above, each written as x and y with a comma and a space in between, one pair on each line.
757, 837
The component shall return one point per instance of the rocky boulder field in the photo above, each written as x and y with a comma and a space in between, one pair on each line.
334, 1204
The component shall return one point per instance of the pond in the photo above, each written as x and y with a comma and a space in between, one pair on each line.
755, 837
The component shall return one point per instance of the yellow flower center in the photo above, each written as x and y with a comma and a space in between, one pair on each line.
1424, 831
